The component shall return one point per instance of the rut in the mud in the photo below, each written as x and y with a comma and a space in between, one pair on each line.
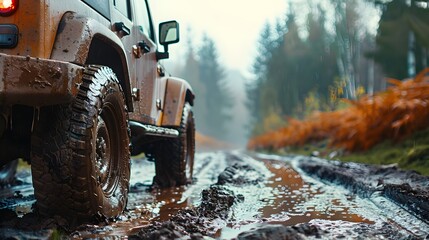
216, 203
235, 196
406, 188
222, 206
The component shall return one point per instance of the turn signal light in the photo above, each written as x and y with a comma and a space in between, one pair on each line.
8, 7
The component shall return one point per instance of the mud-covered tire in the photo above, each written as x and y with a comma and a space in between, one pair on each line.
7, 172
174, 157
80, 152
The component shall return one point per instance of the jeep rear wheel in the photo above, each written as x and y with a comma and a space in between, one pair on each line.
80, 152
174, 158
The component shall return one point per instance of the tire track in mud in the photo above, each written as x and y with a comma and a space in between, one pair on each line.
207, 169
237, 195
401, 196
276, 199
364, 184
304, 207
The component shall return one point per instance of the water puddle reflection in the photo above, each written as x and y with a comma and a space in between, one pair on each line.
302, 202
287, 199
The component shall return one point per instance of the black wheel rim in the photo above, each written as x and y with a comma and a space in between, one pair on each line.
107, 153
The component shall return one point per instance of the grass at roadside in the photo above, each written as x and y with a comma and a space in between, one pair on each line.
411, 153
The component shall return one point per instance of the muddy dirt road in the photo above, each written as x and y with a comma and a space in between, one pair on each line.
247, 196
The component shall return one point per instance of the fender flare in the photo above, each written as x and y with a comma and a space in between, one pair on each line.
177, 93
73, 42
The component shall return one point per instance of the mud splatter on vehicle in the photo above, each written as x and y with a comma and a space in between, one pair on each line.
80, 84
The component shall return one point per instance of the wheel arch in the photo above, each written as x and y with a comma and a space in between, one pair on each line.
177, 93
82, 40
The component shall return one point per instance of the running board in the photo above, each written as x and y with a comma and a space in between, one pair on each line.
149, 130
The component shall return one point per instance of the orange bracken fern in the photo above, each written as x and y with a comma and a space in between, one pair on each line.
394, 114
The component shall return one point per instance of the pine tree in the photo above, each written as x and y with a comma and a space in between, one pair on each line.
288, 67
218, 100
392, 40
259, 68
402, 31
321, 56
191, 72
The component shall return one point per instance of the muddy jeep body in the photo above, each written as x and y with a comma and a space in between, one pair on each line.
84, 76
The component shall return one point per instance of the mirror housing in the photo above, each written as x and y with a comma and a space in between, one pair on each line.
168, 34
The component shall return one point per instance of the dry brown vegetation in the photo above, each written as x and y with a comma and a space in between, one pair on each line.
206, 143
394, 114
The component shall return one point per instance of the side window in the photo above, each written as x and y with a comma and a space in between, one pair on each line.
101, 6
123, 6
142, 18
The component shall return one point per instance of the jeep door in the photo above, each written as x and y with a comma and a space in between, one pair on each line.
146, 64
121, 23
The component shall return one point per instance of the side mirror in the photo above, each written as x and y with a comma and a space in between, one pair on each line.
168, 33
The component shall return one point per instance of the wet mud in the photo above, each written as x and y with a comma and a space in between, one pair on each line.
195, 222
406, 188
212, 212
240, 196
297, 232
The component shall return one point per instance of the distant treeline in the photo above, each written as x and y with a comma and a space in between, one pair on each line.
207, 77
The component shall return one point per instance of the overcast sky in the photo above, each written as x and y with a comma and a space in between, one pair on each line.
234, 25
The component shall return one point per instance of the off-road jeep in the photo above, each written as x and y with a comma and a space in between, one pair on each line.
82, 90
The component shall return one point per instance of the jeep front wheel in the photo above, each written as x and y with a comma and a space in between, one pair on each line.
80, 153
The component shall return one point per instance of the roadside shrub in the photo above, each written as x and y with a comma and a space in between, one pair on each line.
394, 114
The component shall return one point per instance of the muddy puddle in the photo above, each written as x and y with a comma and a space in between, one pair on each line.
285, 198
297, 199
262, 194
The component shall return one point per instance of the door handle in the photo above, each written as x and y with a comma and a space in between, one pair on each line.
143, 45
120, 27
